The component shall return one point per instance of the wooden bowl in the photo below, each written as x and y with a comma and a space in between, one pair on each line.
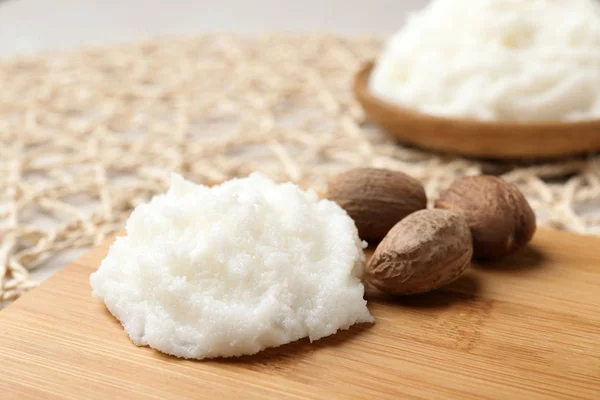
496, 140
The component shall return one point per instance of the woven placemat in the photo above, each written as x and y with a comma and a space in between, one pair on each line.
86, 136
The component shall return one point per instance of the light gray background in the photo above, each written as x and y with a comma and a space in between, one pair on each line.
35, 25
30, 26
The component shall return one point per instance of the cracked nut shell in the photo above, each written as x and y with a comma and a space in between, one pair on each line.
498, 214
376, 198
425, 251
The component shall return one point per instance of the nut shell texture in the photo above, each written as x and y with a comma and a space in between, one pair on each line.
425, 251
498, 214
376, 198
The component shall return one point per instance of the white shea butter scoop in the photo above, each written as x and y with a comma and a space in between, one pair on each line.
233, 269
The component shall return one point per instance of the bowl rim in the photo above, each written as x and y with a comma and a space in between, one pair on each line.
361, 87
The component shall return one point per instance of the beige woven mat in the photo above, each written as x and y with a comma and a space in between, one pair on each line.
88, 135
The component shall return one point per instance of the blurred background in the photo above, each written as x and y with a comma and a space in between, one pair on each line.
48, 211
34, 25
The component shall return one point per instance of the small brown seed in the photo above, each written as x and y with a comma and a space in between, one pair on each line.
376, 198
498, 214
425, 251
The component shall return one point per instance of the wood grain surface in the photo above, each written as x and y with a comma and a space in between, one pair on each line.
495, 140
526, 327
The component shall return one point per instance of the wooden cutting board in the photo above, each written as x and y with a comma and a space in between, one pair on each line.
526, 327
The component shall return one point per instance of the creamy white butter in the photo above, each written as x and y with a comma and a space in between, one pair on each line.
233, 269
524, 60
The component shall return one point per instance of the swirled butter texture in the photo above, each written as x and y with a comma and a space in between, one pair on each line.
233, 269
499, 60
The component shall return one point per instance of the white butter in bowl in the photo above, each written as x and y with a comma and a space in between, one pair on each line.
233, 269
496, 60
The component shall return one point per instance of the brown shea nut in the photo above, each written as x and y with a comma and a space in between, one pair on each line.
498, 214
425, 251
376, 198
